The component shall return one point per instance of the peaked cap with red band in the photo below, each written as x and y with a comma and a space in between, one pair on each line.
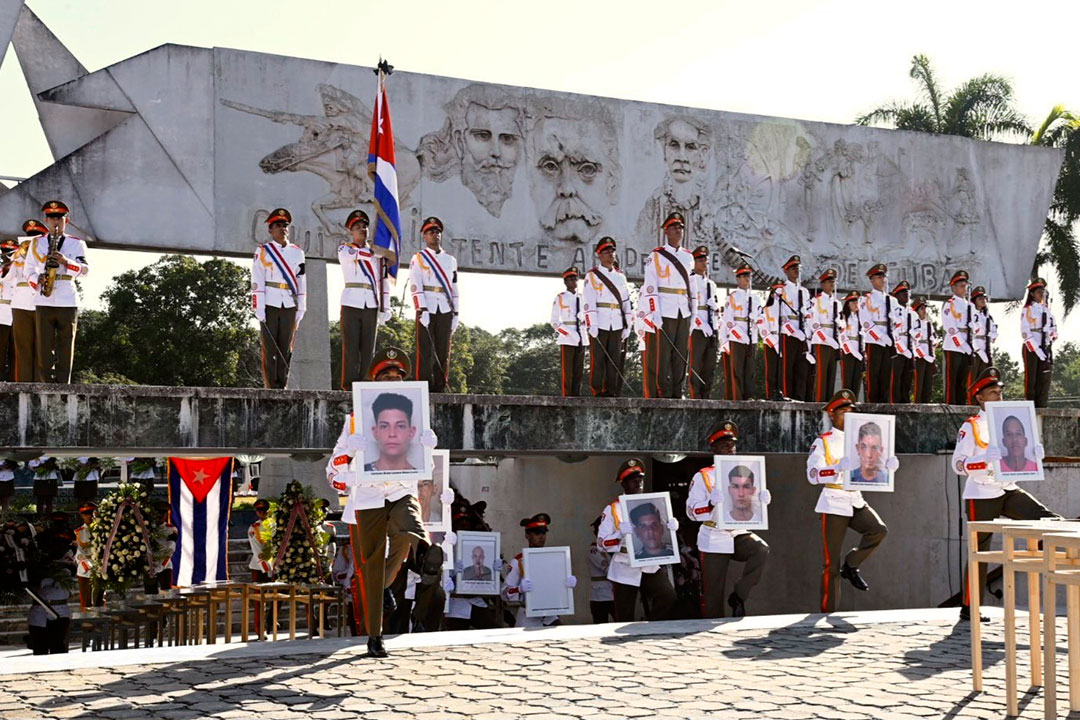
842, 399
631, 467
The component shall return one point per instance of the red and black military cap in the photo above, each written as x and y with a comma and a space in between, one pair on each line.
793, 260
630, 468
829, 274
990, 377
279, 215
977, 292
537, 523
918, 303
902, 286
842, 399
262, 504
1036, 284
959, 276
431, 223
604, 243
34, 227
54, 208
724, 429
673, 218
853, 295
390, 357
570, 272
356, 216
87, 507
701, 252
743, 269
879, 269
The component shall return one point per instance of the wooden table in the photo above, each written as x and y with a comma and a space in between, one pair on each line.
273, 593
224, 593
319, 596
1061, 552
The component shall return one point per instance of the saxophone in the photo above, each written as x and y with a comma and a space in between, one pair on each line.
47, 279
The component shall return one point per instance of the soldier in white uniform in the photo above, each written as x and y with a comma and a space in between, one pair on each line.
905, 323
84, 558
1038, 328
986, 496
7, 290
657, 594
769, 330
7, 482
983, 333
795, 357
738, 336
719, 547
23, 304
568, 320
875, 316
56, 316
840, 508
433, 281
608, 319
365, 300
601, 596
956, 316
261, 570
664, 307
926, 344
851, 344
826, 330
279, 297
704, 336
517, 585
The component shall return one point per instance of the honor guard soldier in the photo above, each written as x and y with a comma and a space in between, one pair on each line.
383, 518
53, 263
769, 329
738, 333
601, 596
840, 508
704, 339
47, 482
875, 316
983, 333
433, 281
904, 324
826, 328
794, 308
365, 300
261, 570
279, 296
608, 318
718, 547
926, 344
23, 306
568, 320
665, 309
7, 289
657, 594
852, 361
1038, 328
7, 482
517, 585
84, 558
986, 496
956, 316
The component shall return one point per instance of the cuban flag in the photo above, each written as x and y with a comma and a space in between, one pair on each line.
200, 497
383, 171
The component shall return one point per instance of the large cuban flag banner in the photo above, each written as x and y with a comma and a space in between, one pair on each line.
200, 496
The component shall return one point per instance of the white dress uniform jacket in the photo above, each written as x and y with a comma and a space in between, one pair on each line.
64, 293
568, 319
609, 538
665, 293
969, 458
342, 475
270, 285
360, 267
822, 468
603, 310
700, 504
956, 315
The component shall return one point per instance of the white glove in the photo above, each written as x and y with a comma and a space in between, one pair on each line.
299, 317
354, 443
446, 497
765, 497
892, 464
260, 314
593, 331
626, 332
1038, 451
450, 538
384, 317
454, 324
810, 358
429, 439
425, 319
343, 481
525, 586
849, 463
626, 529
459, 567
571, 581
673, 523
725, 349
448, 584
992, 454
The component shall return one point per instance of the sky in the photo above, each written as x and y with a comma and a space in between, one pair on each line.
826, 61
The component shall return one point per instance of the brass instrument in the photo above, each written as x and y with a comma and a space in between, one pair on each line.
47, 279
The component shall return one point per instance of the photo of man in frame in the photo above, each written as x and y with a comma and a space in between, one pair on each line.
651, 535
1014, 447
870, 448
742, 504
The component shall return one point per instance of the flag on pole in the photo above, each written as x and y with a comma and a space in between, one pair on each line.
200, 497
382, 170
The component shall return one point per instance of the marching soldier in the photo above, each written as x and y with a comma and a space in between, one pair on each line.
875, 316
433, 281
794, 307
84, 558
517, 585
851, 344
365, 300
904, 325
606, 300
23, 305
279, 296
665, 309
986, 496
926, 343
1038, 328
718, 547
7, 289
826, 329
983, 333
956, 315
703, 331
769, 329
51, 272
384, 518
567, 319
840, 508
738, 331
657, 594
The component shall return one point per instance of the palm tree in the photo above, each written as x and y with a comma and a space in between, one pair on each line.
983, 108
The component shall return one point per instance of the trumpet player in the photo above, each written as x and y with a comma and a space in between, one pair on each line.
55, 260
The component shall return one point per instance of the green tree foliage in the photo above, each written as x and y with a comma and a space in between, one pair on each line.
1060, 248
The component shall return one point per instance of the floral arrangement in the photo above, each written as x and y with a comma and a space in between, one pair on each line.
126, 540
81, 470
294, 543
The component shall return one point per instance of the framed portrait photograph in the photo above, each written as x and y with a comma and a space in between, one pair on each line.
435, 513
651, 542
548, 568
1014, 429
393, 416
479, 553
871, 439
740, 480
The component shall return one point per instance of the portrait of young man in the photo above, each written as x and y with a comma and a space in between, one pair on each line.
652, 539
870, 448
742, 493
394, 431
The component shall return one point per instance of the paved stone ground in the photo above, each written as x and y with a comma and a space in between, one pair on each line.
798, 668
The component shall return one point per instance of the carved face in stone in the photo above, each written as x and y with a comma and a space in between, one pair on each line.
490, 147
572, 177
684, 152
